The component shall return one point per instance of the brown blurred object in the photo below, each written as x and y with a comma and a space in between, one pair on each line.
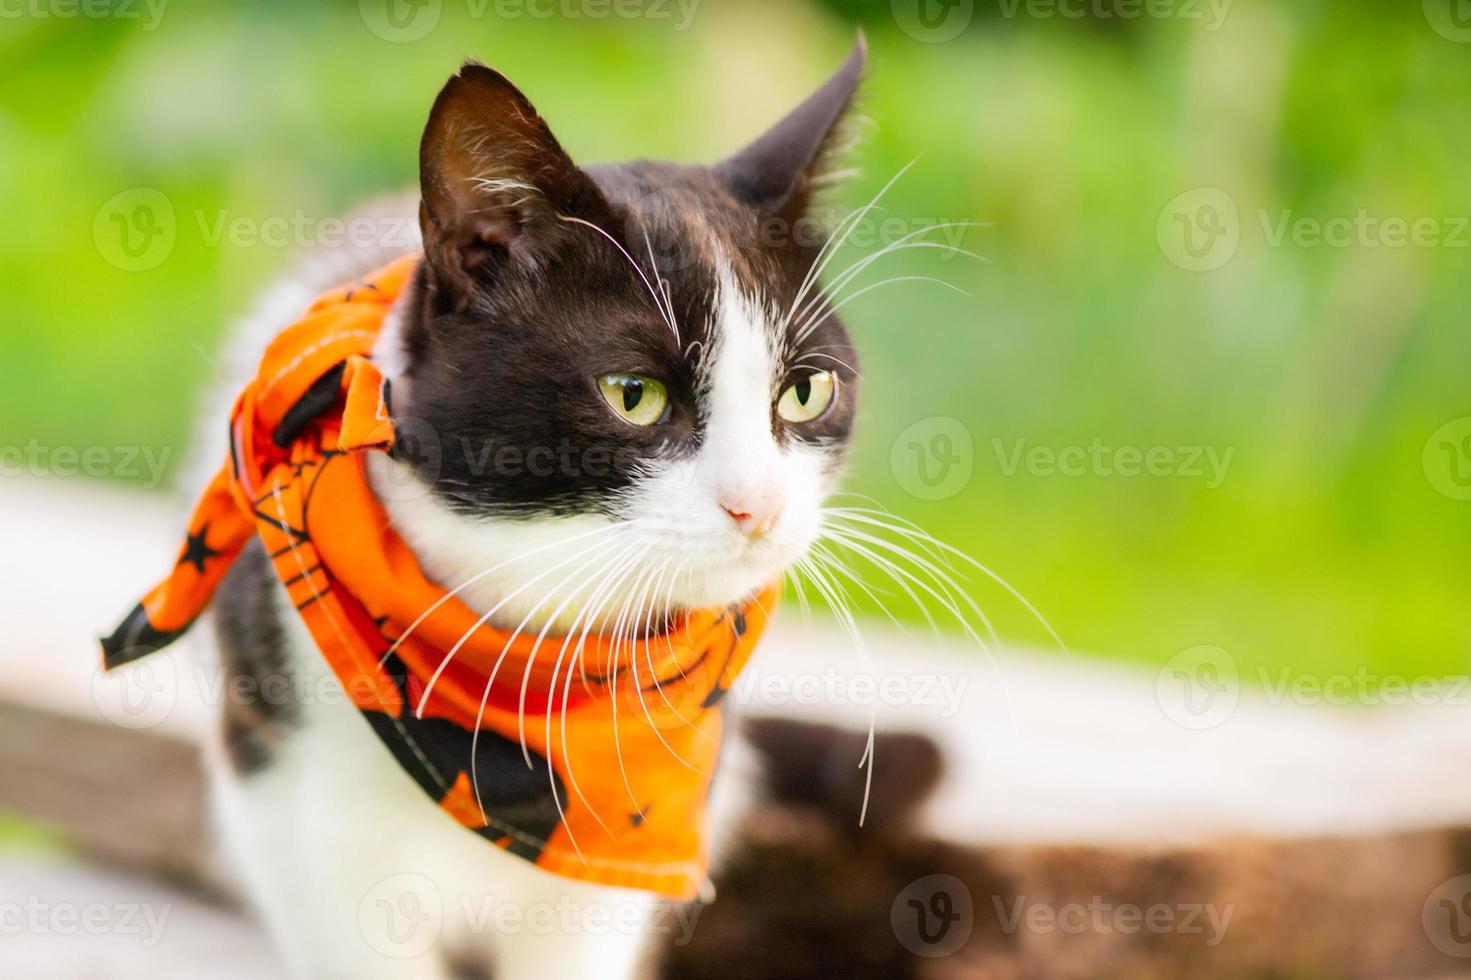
810, 896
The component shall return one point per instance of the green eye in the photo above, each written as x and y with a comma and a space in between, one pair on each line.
640, 400
807, 397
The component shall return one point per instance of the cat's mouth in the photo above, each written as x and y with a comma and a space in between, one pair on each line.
731, 575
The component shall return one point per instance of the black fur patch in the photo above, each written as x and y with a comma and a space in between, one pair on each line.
816, 767
259, 692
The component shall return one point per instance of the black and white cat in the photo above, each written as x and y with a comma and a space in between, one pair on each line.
640, 331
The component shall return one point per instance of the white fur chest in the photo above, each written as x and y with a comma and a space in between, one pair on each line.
358, 874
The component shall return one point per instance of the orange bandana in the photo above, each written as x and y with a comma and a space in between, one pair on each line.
598, 776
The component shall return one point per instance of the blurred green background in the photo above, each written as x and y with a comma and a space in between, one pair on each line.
1324, 368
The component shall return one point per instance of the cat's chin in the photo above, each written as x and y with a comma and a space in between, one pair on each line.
568, 573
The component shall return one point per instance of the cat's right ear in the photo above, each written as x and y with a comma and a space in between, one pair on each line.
494, 182
781, 170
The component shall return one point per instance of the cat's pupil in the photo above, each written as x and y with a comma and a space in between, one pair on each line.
633, 393
804, 390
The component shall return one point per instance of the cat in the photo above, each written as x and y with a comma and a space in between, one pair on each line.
578, 347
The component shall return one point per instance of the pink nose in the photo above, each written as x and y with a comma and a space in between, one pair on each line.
754, 517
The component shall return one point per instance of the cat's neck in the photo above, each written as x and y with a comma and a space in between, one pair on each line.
550, 576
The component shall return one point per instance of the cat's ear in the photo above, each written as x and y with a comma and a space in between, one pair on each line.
780, 170
494, 182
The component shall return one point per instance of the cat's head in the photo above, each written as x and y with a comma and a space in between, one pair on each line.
635, 344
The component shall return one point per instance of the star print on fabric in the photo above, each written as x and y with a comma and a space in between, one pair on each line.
197, 551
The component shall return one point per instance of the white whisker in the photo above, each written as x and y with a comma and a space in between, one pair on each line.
668, 319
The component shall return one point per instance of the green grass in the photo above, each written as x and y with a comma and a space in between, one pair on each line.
1324, 369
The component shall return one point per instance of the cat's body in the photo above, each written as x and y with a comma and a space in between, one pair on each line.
392, 888
541, 328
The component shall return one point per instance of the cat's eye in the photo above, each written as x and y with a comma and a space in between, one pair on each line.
638, 399
807, 397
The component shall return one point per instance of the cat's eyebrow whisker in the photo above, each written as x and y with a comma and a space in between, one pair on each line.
664, 289
812, 324
829, 303
835, 243
838, 360
653, 294
905, 244
824, 254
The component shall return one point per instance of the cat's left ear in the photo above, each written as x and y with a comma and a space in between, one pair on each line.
779, 172
495, 184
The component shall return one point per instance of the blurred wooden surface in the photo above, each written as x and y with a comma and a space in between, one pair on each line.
133, 798
1346, 907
